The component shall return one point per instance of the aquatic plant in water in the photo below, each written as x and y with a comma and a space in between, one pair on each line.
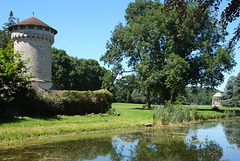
170, 113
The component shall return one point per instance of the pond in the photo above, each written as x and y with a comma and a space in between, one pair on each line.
211, 140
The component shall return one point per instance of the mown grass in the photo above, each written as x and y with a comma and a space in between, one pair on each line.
131, 116
208, 112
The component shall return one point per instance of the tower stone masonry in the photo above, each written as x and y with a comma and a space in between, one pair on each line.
33, 38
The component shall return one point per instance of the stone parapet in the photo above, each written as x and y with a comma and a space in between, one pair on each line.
18, 36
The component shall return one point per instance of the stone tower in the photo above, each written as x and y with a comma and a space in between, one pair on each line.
34, 39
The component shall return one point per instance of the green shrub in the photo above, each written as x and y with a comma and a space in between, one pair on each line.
29, 103
230, 113
41, 104
14, 80
173, 113
85, 102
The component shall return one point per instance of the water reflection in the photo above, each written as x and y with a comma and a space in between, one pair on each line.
156, 145
232, 131
72, 150
206, 141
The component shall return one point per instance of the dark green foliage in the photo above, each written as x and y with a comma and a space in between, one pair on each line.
231, 96
229, 14
5, 36
232, 132
196, 96
87, 75
80, 103
61, 66
14, 79
166, 56
4, 39
11, 21
137, 97
227, 97
192, 95
76, 74
53, 103
121, 88
237, 91
30, 103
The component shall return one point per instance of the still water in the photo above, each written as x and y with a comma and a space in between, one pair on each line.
207, 141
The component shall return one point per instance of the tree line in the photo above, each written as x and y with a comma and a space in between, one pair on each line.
126, 90
71, 73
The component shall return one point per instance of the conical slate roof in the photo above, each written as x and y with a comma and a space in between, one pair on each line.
32, 21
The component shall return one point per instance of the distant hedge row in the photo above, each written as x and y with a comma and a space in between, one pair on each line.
58, 103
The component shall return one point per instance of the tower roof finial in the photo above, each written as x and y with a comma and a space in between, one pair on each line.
33, 14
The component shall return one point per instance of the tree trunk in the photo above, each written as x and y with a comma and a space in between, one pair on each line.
172, 98
148, 102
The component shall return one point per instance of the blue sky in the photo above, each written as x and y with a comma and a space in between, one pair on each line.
83, 26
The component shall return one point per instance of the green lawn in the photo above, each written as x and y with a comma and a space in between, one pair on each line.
131, 115
207, 112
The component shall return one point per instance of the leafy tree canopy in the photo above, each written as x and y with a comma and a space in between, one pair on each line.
13, 73
167, 57
76, 74
228, 15
196, 96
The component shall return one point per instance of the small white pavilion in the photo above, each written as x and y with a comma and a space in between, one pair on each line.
216, 99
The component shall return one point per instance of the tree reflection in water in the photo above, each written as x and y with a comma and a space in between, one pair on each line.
159, 145
232, 131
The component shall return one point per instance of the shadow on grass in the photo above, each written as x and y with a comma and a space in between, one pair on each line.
50, 118
11, 120
21, 119
137, 108
237, 112
213, 109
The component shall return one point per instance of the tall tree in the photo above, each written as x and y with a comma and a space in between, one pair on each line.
61, 67
231, 96
236, 94
11, 21
227, 98
5, 36
167, 57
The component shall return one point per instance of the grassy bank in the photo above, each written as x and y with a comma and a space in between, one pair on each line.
131, 115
